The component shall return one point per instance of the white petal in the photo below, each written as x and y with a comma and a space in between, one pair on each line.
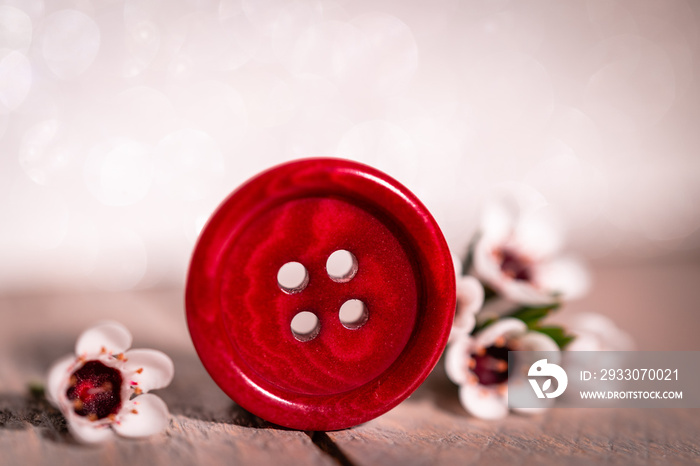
620, 341
470, 295
585, 342
485, 265
158, 369
524, 292
151, 418
112, 336
462, 326
85, 431
595, 332
536, 341
529, 346
56, 383
565, 276
508, 328
495, 308
470, 298
537, 234
457, 359
482, 402
498, 218
588, 322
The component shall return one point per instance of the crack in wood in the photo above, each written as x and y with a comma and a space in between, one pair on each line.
329, 447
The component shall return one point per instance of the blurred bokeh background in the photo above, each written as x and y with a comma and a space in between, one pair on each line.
123, 124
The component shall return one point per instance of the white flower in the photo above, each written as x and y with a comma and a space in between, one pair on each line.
100, 389
515, 256
595, 332
470, 299
479, 364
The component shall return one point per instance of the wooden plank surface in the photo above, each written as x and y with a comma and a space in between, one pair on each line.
208, 428
432, 428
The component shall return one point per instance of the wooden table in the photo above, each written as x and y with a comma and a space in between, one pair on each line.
206, 427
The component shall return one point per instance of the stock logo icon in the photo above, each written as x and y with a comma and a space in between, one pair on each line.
541, 369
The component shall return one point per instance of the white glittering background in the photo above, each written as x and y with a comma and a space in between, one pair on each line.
124, 123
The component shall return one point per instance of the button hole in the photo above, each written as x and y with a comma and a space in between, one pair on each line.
292, 277
341, 266
353, 314
305, 326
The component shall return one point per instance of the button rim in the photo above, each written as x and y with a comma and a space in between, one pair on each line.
381, 195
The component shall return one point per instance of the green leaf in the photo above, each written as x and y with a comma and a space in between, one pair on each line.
558, 334
533, 315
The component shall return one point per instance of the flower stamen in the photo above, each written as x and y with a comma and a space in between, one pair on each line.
491, 365
514, 265
96, 391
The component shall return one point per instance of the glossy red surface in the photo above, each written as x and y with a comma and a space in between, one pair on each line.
239, 317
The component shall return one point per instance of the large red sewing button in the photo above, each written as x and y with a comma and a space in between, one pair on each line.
373, 331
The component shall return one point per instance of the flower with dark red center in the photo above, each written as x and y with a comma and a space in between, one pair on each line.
479, 364
490, 365
101, 389
514, 256
513, 264
95, 391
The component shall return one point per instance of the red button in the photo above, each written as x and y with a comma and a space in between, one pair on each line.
343, 370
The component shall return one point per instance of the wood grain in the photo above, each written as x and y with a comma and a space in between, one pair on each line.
432, 428
207, 428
